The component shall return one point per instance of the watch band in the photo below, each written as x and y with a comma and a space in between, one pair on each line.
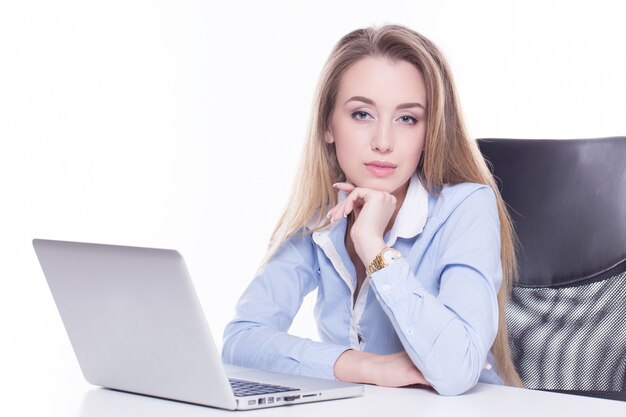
381, 261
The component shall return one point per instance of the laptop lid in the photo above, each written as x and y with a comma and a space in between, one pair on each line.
134, 321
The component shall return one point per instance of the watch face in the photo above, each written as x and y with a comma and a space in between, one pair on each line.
390, 254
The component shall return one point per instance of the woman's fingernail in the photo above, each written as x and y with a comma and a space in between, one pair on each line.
328, 214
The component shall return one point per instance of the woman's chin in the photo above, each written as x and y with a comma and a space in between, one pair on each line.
377, 185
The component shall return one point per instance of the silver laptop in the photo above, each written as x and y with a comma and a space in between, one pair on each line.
136, 325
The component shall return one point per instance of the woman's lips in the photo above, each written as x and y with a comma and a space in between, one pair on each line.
380, 170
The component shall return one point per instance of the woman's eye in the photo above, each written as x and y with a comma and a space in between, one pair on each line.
359, 115
410, 119
362, 115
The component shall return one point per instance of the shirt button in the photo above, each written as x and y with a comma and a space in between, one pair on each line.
409, 331
487, 365
386, 287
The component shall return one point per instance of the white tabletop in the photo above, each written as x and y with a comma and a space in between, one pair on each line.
483, 400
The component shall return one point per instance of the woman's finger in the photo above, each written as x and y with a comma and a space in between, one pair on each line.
336, 213
351, 205
344, 186
356, 200
348, 208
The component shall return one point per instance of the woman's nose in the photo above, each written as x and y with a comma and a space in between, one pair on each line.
382, 142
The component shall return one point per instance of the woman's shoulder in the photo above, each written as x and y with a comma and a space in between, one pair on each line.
300, 238
470, 195
463, 189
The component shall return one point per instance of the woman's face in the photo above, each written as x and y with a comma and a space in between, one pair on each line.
378, 124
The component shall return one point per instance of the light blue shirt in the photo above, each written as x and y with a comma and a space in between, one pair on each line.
438, 302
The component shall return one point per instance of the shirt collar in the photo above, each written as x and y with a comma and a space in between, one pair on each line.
410, 220
412, 216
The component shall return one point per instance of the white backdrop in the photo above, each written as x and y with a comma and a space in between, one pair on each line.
179, 124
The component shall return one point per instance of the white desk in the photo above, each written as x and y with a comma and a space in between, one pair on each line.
483, 400
41, 377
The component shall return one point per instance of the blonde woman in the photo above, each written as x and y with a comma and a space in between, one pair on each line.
398, 223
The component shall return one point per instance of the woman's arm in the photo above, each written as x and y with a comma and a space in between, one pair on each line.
448, 335
395, 370
257, 337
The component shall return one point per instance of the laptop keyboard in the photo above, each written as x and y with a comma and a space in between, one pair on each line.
244, 388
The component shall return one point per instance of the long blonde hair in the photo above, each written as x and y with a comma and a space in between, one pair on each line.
449, 156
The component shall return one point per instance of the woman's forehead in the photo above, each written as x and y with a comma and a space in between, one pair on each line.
383, 82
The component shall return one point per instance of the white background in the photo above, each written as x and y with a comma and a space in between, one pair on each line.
179, 125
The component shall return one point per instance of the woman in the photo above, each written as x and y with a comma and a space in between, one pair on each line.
397, 221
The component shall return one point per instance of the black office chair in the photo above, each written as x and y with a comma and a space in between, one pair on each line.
567, 314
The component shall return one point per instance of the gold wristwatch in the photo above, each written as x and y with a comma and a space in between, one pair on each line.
384, 258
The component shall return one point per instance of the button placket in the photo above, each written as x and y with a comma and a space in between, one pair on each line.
324, 242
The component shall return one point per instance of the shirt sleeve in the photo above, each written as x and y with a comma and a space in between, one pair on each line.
257, 337
449, 334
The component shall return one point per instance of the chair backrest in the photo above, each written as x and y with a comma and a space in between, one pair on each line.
567, 313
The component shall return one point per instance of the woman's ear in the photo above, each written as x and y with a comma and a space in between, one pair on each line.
328, 137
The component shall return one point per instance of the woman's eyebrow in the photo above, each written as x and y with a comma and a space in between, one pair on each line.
371, 102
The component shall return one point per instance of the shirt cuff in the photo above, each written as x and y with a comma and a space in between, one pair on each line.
393, 285
320, 360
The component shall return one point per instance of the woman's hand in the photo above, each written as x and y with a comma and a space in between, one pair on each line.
373, 209
395, 370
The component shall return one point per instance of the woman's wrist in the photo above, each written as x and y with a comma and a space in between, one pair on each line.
368, 249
